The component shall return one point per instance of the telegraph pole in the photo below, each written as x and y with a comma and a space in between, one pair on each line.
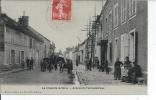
93, 36
0, 8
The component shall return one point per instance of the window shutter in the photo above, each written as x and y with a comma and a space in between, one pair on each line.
136, 45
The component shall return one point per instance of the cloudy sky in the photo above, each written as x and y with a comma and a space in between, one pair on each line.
62, 33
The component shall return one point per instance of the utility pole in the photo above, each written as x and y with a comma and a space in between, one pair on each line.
87, 40
93, 35
0, 8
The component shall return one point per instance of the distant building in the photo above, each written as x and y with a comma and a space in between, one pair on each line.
81, 52
69, 53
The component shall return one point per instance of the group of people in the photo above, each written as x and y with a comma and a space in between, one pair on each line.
91, 64
53, 63
127, 71
29, 63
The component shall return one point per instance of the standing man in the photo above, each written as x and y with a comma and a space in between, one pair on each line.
77, 62
97, 63
50, 64
23, 63
60, 63
117, 69
101, 68
86, 64
70, 67
106, 66
42, 65
90, 64
28, 63
55, 63
71, 64
31, 63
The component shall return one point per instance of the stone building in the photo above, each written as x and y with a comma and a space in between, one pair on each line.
69, 53
18, 41
81, 52
122, 31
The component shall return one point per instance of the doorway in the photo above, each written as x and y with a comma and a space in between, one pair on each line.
12, 57
103, 50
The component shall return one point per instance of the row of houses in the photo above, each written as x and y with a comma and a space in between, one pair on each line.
119, 31
19, 41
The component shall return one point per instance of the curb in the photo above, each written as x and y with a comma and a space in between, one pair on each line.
13, 71
76, 79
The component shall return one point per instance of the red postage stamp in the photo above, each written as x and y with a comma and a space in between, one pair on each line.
61, 9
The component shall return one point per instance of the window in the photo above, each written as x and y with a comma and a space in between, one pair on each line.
12, 59
30, 43
34, 44
7, 57
25, 38
124, 46
22, 36
116, 15
111, 55
11, 33
1, 28
45, 51
132, 45
132, 7
116, 49
128, 46
21, 56
123, 10
106, 25
110, 22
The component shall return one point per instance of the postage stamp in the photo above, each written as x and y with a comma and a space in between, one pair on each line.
61, 9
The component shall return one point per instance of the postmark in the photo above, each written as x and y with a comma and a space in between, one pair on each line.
61, 9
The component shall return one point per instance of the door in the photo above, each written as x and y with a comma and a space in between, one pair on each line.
132, 46
12, 56
116, 49
104, 50
22, 56
37, 58
124, 46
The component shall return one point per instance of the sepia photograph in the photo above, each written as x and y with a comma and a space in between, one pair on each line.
75, 46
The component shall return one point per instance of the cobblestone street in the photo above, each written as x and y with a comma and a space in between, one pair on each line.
37, 77
79, 77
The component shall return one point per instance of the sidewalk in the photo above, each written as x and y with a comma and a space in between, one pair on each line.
7, 71
95, 77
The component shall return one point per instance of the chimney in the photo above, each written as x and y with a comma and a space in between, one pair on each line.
24, 20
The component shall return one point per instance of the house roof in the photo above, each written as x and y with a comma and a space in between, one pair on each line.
40, 35
9, 22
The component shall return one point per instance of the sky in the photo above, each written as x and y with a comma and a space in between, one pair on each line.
63, 33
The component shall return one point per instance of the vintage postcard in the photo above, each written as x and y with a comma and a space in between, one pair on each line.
74, 47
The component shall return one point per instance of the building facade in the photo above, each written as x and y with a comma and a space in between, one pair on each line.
19, 41
69, 53
122, 31
81, 53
